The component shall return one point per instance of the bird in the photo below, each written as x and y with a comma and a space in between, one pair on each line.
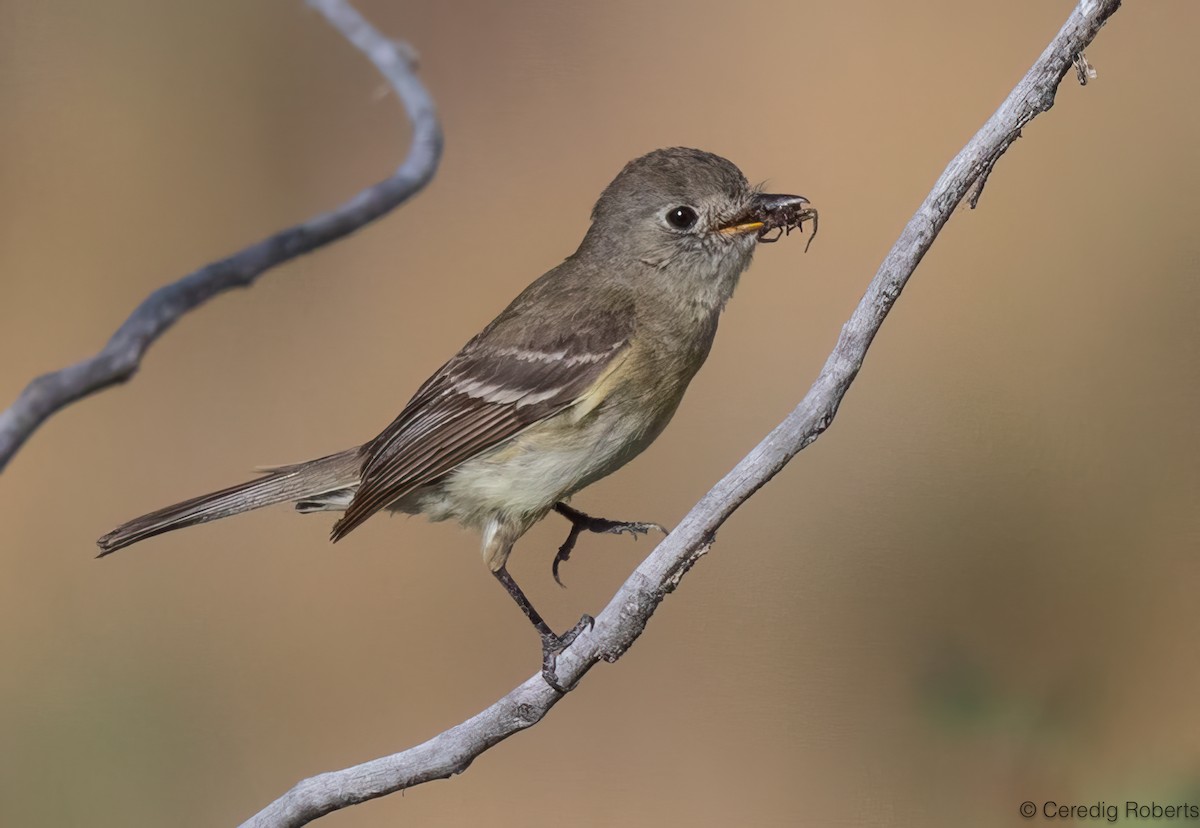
576, 377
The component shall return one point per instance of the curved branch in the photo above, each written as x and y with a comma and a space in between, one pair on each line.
120, 358
626, 615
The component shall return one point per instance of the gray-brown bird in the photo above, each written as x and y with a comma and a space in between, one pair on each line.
571, 381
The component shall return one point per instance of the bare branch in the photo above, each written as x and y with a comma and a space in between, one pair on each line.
626, 615
120, 358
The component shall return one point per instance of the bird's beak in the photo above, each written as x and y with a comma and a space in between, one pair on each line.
766, 212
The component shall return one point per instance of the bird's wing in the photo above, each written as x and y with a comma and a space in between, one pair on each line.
494, 388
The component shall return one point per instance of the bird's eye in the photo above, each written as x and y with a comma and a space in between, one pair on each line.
681, 218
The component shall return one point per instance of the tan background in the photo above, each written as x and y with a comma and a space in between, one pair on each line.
978, 588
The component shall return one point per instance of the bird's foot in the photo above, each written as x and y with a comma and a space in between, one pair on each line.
553, 646
581, 522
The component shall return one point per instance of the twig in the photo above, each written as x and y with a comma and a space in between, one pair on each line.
626, 615
120, 358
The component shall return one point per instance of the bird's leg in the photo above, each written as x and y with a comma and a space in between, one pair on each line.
581, 522
552, 645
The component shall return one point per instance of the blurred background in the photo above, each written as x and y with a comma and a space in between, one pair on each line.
978, 588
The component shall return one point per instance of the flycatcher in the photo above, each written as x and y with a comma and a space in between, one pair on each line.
571, 381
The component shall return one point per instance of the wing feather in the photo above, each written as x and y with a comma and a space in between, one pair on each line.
492, 390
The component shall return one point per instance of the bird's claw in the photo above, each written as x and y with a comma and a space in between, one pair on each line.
633, 529
554, 645
581, 522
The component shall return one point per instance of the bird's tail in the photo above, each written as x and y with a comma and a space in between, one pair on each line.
303, 481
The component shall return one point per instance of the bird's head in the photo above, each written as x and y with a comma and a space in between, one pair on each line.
690, 219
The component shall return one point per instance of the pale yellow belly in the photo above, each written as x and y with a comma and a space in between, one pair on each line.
522, 479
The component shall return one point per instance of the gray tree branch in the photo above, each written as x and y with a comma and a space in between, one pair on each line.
626, 615
120, 358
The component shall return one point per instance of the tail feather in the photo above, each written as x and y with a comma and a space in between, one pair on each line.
303, 481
